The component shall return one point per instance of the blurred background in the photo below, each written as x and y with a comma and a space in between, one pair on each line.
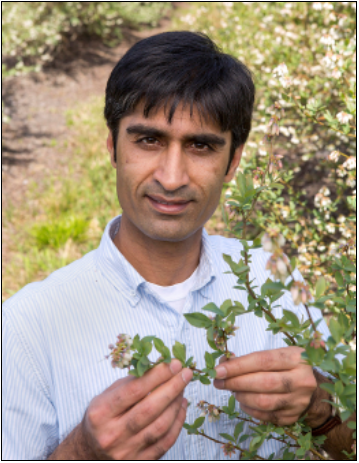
58, 187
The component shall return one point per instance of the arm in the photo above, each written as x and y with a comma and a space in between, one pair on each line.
276, 386
134, 419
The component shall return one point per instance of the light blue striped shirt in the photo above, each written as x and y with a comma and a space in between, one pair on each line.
56, 334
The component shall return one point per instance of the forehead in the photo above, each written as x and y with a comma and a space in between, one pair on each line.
183, 119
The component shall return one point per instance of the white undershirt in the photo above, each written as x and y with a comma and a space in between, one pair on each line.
175, 295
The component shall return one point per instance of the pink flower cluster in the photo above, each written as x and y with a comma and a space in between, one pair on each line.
121, 352
300, 293
209, 410
228, 449
317, 342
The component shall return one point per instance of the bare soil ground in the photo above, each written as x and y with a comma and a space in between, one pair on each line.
33, 140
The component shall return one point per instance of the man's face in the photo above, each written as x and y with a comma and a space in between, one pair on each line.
170, 176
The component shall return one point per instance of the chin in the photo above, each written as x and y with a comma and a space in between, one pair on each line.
171, 236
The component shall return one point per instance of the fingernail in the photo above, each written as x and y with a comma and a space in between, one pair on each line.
187, 375
221, 372
184, 404
218, 383
175, 366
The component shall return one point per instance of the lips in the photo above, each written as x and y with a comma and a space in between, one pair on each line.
168, 206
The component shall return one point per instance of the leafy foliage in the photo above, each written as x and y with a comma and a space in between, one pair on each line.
33, 31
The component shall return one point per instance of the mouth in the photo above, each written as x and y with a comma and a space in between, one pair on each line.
172, 207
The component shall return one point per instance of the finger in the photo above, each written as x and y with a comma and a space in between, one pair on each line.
149, 409
266, 402
159, 449
123, 394
225, 359
285, 358
276, 418
270, 382
161, 426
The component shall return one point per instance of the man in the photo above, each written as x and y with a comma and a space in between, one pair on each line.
179, 112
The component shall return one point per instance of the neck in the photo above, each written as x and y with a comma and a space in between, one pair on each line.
159, 262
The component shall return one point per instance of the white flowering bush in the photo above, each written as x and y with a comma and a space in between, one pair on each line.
33, 31
294, 195
303, 58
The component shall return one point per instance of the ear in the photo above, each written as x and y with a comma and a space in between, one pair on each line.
111, 149
234, 164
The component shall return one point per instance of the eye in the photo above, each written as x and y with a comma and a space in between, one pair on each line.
201, 146
147, 140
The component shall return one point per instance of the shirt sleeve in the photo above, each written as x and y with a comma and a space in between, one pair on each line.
29, 421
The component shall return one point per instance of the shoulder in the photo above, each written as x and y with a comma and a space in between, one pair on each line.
26, 301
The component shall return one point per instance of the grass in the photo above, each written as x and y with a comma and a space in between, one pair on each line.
64, 217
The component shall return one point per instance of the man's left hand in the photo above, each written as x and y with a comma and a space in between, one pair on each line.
273, 385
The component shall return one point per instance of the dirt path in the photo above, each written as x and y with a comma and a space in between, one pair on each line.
37, 105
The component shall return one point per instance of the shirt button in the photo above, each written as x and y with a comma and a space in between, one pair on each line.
133, 293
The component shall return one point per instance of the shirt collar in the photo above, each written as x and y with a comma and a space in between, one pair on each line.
127, 280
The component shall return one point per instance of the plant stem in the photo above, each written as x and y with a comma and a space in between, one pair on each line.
201, 433
293, 341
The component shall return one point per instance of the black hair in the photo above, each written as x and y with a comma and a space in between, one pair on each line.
182, 67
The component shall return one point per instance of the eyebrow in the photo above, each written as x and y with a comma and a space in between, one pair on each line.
205, 138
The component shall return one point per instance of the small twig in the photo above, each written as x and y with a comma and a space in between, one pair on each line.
201, 433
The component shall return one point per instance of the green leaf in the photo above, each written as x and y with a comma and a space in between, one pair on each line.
328, 387
147, 347
349, 266
320, 286
291, 316
349, 390
344, 415
351, 424
237, 269
136, 342
270, 287
198, 423
166, 354
238, 429
143, 366
211, 307
232, 404
212, 373
336, 330
256, 443
227, 436
241, 182
179, 352
159, 345
204, 380
227, 304
242, 439
209, 360
238, 308
339, 279
148, 338
339, 387
278, 186
198, 320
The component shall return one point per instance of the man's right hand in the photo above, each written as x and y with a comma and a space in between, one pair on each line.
135, 418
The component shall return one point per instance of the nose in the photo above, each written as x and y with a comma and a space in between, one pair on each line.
172, 169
